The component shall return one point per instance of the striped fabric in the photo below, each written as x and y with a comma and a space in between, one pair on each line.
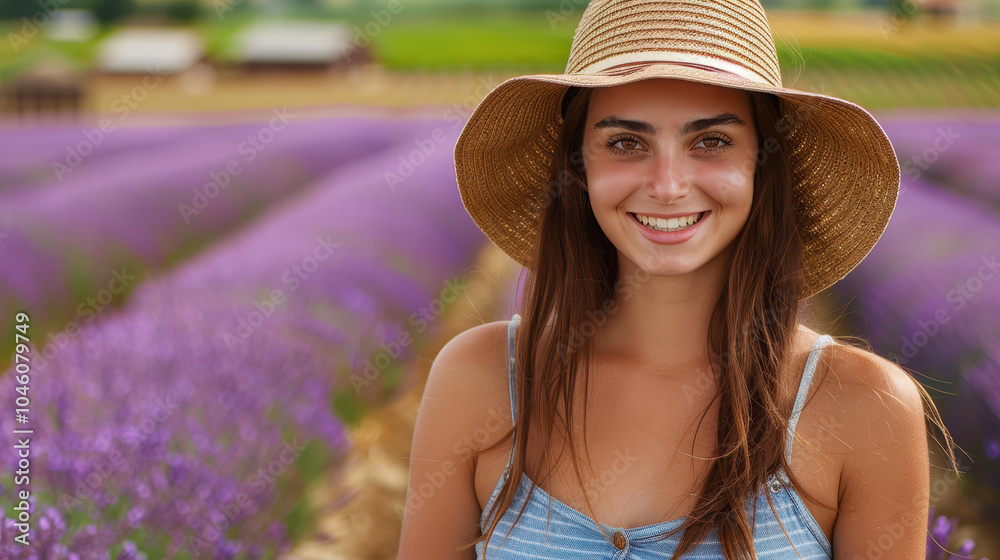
563, 532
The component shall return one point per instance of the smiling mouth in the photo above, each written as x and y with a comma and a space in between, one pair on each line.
661, 224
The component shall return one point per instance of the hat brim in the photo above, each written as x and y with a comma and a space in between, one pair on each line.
844, 169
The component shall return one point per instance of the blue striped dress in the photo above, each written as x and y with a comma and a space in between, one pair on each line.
549, 528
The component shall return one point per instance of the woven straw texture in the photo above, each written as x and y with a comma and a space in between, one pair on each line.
844, 169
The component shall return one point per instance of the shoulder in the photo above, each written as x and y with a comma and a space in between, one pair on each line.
866, 407
871, 383
459, 411
474, 356
477, 346
861, 376
468, 384
880, 426
881, 421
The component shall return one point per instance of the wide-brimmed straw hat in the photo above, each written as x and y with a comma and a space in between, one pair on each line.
844, 169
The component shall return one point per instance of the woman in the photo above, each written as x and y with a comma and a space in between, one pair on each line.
675, 205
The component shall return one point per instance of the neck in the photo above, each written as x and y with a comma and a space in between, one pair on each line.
660, 327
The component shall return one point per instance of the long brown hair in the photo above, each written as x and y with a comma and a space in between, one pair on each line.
751, 330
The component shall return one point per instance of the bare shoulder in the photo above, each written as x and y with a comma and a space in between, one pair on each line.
881, 423
474, 357
864, 403
856, 374
442, 506
885, 471
476, 346
870, 381
468, 378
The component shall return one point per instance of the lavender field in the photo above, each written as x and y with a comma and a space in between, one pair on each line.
192, 420
928, 295
199, 361
145, 199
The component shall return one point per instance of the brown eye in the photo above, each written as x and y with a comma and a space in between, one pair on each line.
629, 145
714, 143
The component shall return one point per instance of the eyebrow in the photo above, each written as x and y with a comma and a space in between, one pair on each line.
687, 128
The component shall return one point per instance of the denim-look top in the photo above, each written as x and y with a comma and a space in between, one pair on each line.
568, 533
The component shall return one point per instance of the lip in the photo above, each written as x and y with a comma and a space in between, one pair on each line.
668, 216
669, 237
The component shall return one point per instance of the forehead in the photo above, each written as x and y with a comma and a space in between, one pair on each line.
668, 98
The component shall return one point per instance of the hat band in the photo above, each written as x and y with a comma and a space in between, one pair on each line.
649, 57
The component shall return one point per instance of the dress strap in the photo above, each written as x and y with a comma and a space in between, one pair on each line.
511, 329
800, 398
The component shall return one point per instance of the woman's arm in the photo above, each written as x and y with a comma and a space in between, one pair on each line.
442, 511
885, 481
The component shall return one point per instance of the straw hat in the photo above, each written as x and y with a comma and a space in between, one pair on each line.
844, 170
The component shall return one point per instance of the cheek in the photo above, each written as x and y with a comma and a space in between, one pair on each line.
608, 182
735, 186
605, 191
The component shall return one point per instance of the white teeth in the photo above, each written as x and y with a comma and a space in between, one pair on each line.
672, 224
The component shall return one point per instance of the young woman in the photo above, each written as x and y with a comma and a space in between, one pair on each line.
657, 395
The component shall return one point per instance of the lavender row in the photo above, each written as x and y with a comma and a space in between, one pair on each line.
121, 217
49, 156
959, 155
927, 297
237, 360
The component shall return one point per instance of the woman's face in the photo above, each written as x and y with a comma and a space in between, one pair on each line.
663, 148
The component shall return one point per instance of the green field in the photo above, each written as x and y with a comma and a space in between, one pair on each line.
920, 64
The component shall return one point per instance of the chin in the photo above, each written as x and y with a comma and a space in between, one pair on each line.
666, 271
662, 265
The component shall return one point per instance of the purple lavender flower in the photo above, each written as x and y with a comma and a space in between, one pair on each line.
191, 413
139, 210
955, 154
941, 530
928, 295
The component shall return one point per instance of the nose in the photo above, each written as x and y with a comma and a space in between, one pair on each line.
669, 178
